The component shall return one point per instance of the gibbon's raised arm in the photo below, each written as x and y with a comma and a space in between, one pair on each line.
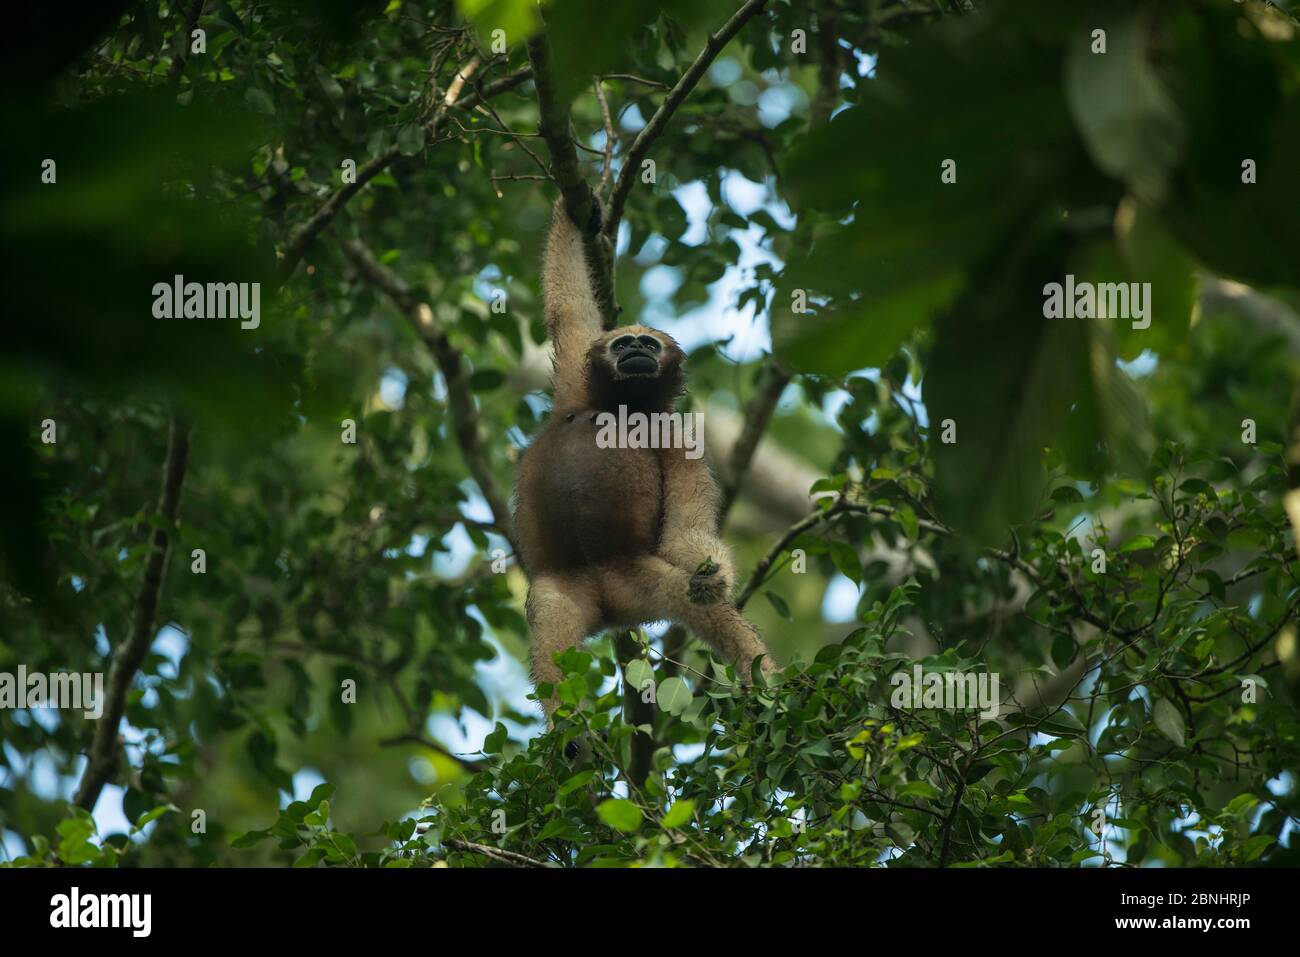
572, 316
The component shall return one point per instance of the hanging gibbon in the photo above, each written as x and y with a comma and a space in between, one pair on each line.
616, 537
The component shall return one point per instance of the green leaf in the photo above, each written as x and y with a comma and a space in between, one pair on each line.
251, 839
679, 813
311, 858
344, 843
846, 560
321, 792
1063, 649
259, 101
921, 789
637, 672
1066, 495
1138, 543
578, 780
911, 526
1130, 125
912, 239
673, 695
1256, 846
410, 139
1035, 377
821, 748
485, 380
1062, 723
779, 604
619, 814
1169, 720
1242, 802
496, 739
150, 816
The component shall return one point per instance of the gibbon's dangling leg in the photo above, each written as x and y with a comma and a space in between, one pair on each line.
572, 316
731, 634
648, 588
562, 611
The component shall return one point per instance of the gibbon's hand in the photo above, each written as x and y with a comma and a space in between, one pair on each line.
708, 585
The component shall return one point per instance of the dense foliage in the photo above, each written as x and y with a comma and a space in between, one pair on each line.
1107, 534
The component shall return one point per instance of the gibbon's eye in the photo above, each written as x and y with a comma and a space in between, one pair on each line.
621, 343
649, 343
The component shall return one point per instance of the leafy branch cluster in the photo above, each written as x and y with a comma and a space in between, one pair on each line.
1147, 728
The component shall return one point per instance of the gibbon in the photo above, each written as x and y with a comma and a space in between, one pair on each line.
616, 537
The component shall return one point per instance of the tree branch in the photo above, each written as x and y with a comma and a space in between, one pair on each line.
759, 574
460, 400
495, 853
773, 380
605, 167
579, 201
103, 749
843, 506
658, 123
636, 711
412, 738
632, 78
771, 383
945, 850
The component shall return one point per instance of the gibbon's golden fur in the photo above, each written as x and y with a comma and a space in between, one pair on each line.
616, 537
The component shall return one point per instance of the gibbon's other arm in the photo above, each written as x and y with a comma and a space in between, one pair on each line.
688, 540
572, 316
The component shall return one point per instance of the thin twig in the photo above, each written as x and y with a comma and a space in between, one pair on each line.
636, 79
411, 737
523, 145
103, 749
659, 121
607, 164
495, 853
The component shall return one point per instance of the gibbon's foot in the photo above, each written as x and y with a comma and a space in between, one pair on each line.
707, 587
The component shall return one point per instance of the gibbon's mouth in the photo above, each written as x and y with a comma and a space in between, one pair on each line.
636, 362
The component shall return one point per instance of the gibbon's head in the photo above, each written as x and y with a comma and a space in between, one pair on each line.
635, 366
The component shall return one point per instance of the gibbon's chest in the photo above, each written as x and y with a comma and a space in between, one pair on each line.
598, 503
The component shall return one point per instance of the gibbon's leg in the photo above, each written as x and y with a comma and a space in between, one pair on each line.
562, 611
572, 316
690, 516
651, 589
727, 630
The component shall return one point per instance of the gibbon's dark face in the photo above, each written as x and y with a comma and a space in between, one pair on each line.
635, 366
635, 355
